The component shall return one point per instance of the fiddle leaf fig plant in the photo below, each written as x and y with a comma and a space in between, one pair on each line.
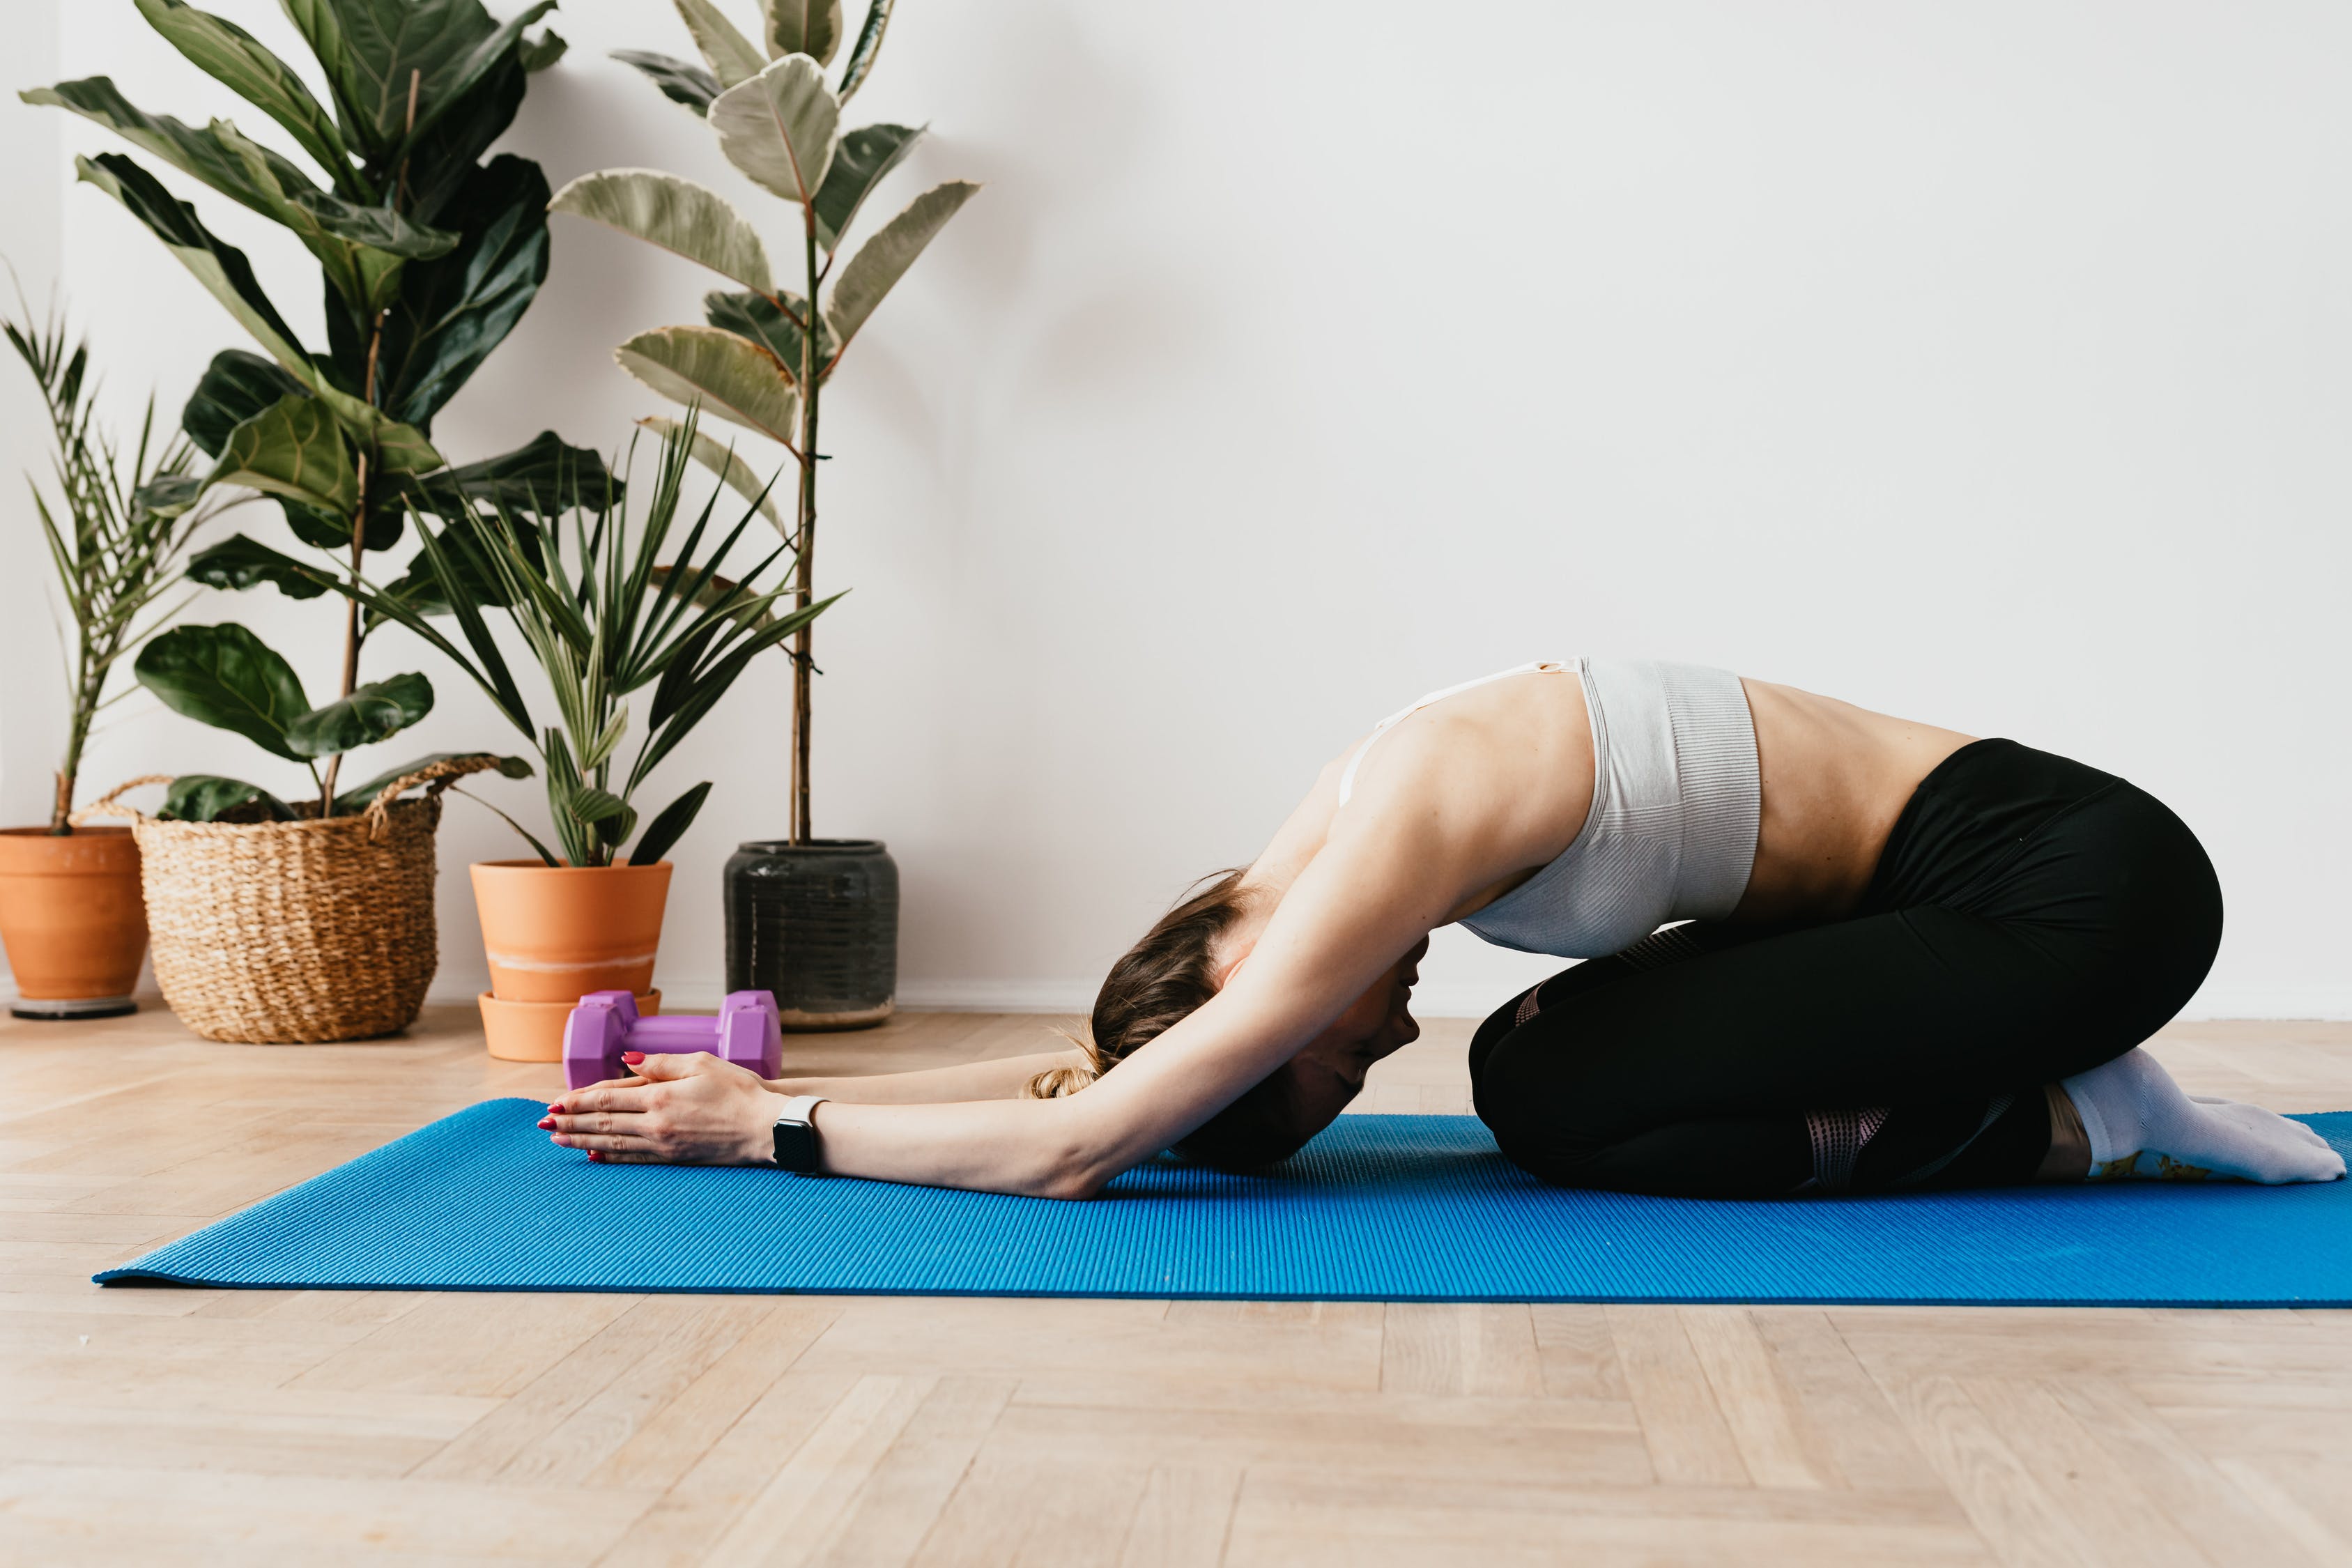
763, 352
428, 256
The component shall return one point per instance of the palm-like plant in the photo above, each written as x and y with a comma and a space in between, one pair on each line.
429, 257
765, 352
116, 556
604, 619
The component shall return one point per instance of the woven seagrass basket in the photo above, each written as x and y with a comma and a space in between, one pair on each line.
295, 932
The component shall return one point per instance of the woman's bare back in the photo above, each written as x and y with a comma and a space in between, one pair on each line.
1516, 757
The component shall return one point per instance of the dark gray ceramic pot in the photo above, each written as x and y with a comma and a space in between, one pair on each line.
817, 924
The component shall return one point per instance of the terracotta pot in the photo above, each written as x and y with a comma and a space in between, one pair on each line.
533, 1031
73, 920
554, 934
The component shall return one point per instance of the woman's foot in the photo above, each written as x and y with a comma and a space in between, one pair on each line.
2140, 1124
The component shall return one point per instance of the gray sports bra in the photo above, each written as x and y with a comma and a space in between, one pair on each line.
1676, 802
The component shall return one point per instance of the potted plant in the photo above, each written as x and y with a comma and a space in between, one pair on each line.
813, 920
69, 906
428, 256
605, 620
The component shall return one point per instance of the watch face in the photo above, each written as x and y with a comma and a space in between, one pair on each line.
796, 1146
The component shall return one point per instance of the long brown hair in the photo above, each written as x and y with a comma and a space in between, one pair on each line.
1160, 981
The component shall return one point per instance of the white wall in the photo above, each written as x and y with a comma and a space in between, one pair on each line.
1986, 364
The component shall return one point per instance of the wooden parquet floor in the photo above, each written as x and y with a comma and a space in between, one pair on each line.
162, 1426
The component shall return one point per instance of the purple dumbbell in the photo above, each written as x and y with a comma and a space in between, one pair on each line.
605, 1024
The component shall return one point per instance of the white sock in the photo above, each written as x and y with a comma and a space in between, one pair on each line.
2140, 1124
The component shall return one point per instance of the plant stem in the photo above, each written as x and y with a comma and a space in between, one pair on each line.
804, 579
358, 565
85, 708
360, 518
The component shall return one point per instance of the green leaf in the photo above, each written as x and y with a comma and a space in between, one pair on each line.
546, 857
613, 831
371, 48
599, 752
667, 828
543, 476
238, 563
865, 155
811, 28
679, 80
882, 260
361, 248
208, 797
292, 448
731, 376
682, 703
537, 53
452, 312
234, 387
372, 712
219, 162
234, 57
721, 459
386, 522
676, 214
503, 46
448, 155
394, 447
760, 319
221, 268
169, 496
225, 677
323, 29
403, 449
778, 127
378, 228
869, 45
357, 797
732, 57
586, 802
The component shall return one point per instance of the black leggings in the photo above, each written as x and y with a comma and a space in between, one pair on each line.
2029, 919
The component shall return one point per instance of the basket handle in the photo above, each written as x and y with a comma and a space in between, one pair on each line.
438, 775
107, 805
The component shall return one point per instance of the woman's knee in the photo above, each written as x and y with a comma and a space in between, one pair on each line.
1529, 1103
1498, 1022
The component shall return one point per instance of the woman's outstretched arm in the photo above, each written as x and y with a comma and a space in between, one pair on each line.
1376, 885
1002, 1078
1351, 914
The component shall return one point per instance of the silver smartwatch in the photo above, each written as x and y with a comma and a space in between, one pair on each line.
796, 1135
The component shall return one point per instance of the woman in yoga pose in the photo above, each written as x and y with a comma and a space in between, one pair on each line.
1912, 960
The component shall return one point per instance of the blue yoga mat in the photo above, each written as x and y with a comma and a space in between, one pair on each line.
1398, 1208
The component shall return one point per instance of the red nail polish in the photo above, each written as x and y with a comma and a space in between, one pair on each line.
593, 1155
632, 1057
546, 1123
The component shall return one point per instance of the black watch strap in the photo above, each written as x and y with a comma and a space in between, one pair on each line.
796, 1134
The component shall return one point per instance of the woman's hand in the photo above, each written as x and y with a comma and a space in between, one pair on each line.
679, 1111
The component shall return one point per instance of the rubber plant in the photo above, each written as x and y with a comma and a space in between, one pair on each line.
763, 354
604, 618
429, 254
116, 557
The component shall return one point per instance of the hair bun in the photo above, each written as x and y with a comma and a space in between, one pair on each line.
1055, 1083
